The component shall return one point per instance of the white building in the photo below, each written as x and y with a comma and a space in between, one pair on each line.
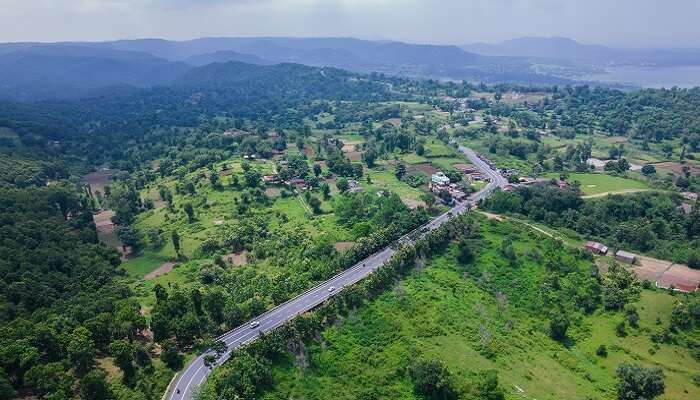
440, 178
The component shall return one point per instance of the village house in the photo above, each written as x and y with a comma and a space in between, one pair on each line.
439, 178
298, 182
625, 256
678, 284
690, 196
271, 179
597, 248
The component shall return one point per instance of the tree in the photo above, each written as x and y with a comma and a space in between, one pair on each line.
648, 170
342, 184
315, 204
171, 356
50, 381
420, 149
214, 303
81, 349
176, 242
123, 353
326, 190
370, 157
129, 236
620, 286
636, 382
317, 170
632, 315
432, 380
465, 255
94, 386
252, 178
6, 389
429, 200
558, 325
623, 165
189, 210
400, 170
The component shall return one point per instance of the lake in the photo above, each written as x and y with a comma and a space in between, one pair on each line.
650, 77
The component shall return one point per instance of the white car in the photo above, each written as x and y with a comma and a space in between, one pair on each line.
331, 289
254, 324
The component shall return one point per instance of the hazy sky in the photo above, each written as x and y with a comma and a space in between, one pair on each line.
630, 23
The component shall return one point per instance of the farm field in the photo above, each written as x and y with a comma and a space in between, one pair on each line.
596, 184
447, 311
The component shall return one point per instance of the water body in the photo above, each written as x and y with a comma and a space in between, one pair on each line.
650, 77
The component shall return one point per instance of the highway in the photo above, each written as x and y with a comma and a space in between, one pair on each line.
197, 372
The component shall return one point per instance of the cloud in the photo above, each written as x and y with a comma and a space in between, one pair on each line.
640, 23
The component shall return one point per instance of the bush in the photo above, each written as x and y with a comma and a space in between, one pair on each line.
620, 329
602, 351
636, 382
432, 380
558, 325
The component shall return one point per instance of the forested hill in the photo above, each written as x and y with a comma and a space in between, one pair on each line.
98, 126
296, 81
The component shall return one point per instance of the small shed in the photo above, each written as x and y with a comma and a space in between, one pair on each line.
626, 256
597, 248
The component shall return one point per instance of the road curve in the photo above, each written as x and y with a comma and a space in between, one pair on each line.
197, 372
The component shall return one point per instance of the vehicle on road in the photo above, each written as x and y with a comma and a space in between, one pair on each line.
331, 289
254, 324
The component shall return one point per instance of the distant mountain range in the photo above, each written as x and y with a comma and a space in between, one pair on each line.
558, 48
31, 71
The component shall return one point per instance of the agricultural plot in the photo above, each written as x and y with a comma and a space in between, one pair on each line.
601, 184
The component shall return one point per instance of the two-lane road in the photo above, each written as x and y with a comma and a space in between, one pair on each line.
197, 372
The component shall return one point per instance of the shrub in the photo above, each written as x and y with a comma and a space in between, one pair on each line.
602, 351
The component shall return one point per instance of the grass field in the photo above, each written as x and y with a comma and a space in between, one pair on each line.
593, 184
440, 312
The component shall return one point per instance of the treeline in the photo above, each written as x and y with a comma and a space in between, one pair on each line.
649, 114
649, 222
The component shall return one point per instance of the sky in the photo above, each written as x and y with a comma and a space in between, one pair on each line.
619, 23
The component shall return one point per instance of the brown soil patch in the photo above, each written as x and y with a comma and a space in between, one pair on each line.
495, 217
309, 151
676, 168
349, 147
103, 221
218, 222
237, 259
618, 139
342, 246
394, 121
273, 192
425, 168
98, 180
650, 268
354, 156
107, 364
684, 272
462, 167
162, 270
412, 204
